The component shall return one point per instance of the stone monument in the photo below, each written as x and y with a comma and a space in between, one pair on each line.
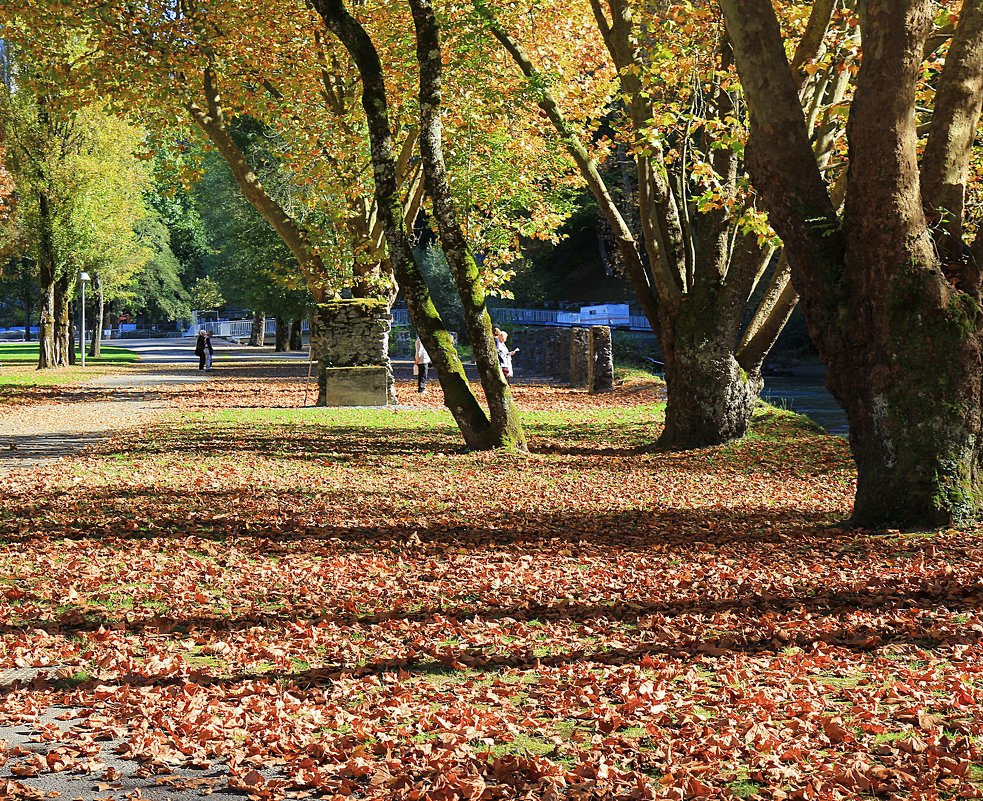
351, 344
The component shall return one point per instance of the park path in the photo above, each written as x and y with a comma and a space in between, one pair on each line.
41, 433
108, 405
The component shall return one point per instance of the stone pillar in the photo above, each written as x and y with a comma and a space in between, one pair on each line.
579, 349
602, 360
351, 343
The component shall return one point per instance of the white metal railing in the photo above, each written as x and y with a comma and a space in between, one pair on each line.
237, 329
513, 316
242, 329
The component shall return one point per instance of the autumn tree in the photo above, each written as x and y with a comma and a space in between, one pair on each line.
689, 235
890, 288
156, 290
38, 140
480, 430
248, 260
99, 233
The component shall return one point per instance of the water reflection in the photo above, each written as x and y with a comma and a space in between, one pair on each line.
807, 394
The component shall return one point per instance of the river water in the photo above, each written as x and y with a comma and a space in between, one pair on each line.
807, 394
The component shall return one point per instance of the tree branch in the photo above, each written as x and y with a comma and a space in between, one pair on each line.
212, 122
648, 295
812, 39
945, 162
780, 157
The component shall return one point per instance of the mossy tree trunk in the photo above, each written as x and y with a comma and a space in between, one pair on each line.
710, 395
506, 427
95, 349
891, 303
64, 346
47, 276
471, 419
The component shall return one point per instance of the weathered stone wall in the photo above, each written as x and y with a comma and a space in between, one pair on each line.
581, 357
354, 333
601, 373
542, 352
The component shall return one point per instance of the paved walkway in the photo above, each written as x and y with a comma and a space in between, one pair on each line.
108, 404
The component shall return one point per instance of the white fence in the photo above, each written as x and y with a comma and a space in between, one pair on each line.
549, 317
241, 329
632, 322
236, 329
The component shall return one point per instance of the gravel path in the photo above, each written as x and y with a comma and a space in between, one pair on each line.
104, 406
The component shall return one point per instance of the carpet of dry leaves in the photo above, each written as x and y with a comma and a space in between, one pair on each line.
344, 604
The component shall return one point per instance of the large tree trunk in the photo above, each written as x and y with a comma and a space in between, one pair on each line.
257, 335
95, 349
901, 343
282, 338
505, 423
912, 388
64, 344
47, 275
296, 335
710, 397
458, 397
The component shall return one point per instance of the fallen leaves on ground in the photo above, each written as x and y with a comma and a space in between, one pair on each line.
346, 604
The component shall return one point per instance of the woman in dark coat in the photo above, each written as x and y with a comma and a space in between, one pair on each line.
200, 349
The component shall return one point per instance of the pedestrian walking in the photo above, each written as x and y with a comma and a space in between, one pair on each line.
200, 349
209, 350
421, 366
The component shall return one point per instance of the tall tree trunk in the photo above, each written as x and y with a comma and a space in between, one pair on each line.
901, 343
257, 336
64, 346
296, 335
710, 397
47, 275
458, 396
505, 423
914, 414
95, 349
282, 338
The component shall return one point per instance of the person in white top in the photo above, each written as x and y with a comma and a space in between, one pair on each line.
504, 354
421, 366
209, 350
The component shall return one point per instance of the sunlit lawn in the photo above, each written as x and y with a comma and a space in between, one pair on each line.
18, 361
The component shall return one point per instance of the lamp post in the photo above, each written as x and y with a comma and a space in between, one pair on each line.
84, 279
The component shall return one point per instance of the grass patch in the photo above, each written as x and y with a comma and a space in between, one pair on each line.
18, 363
524, 745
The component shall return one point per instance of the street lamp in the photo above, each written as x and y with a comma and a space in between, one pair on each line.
84, 279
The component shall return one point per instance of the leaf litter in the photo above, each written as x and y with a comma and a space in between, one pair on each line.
344, 605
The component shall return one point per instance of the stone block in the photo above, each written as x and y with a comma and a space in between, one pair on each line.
601, 377
370, 385
579, 357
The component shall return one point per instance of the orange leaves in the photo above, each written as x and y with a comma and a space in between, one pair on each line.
343, 604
